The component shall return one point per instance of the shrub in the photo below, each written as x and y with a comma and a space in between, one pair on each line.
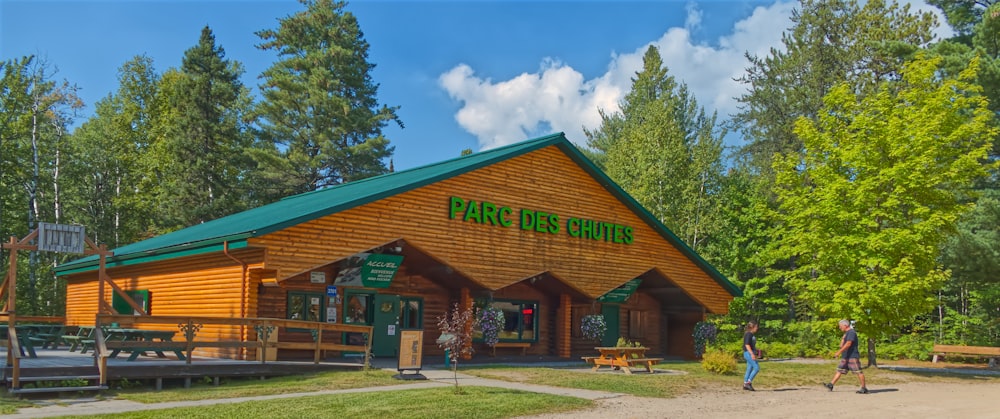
719, 362
911, 346
779, 350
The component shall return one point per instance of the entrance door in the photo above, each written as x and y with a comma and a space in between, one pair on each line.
385, 322
613, 320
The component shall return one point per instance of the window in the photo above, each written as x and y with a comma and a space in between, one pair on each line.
141, 297
357, 308
411, 315
520, 321
308, 306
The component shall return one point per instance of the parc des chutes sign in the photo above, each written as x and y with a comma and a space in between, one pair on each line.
489, 213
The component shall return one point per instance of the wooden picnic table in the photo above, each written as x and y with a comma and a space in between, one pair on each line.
622, 357
143, 335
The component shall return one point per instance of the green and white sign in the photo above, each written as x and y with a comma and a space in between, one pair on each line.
620, 294
369, 270
379, 270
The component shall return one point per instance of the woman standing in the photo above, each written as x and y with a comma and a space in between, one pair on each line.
750, 354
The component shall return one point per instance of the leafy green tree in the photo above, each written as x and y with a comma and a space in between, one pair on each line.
830, 42
199, 154
865, 209
35, 115
665, 152
109, 149
319, 107
962, 15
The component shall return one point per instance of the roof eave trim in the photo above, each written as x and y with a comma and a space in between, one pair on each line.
237, 241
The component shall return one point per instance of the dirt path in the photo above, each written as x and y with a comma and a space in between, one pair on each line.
904, 400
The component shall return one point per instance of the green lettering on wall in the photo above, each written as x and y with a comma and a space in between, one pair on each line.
473, 212
486, 212
553, 223
457, 206
541, 222
490, 213
505, 213
527, 219
586, 230
573, 227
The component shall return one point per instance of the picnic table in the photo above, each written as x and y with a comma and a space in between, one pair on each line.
622, 357
24, 342
148, 340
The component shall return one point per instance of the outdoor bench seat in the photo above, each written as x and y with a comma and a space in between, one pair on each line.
523, 345
992, 353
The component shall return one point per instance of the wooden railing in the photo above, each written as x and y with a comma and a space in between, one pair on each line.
189, 326
14, 345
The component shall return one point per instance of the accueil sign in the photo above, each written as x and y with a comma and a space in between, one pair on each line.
542, 222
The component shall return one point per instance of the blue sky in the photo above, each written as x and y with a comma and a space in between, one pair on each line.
466, 74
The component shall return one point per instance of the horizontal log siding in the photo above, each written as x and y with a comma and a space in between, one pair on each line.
545, 180
204, 285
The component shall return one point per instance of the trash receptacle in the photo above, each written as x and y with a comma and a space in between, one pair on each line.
447, 358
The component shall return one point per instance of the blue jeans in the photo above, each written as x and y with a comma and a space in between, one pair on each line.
752, 367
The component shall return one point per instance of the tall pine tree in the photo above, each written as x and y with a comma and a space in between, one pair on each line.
200, 153
319, 107
665, 151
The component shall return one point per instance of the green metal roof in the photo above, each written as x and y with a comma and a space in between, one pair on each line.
233, 230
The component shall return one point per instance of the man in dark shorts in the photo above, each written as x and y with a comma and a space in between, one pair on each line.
850, 358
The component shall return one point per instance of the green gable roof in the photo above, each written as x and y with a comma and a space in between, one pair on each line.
233, 230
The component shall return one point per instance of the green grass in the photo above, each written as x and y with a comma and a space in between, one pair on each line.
248, 387
441, 402
9, 404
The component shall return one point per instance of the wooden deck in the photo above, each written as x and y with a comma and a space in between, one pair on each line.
63, 363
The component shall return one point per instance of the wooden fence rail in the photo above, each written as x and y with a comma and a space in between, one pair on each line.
189, 326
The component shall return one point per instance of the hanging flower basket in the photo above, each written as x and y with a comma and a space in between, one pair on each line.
491, 322
593, 327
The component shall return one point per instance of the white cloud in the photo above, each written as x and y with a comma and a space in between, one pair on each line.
557, 98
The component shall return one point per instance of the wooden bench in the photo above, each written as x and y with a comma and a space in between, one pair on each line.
523, 345
990, 352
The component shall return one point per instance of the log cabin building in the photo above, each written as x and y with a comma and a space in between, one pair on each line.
534, 229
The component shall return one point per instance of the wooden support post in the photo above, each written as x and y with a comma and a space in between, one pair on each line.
564, 332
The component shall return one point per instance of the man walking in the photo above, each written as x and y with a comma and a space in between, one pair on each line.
850, 358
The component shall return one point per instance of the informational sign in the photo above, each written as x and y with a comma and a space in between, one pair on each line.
61, 238
317, 277
331, 314
370, 270
331, 291
411, 343
620, 294
392, 330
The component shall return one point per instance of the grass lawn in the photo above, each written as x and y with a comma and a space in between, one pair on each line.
441, 402
249, 387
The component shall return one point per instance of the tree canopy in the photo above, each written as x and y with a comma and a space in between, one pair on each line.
879, 186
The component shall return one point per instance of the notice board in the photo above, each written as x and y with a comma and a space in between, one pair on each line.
411, 343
